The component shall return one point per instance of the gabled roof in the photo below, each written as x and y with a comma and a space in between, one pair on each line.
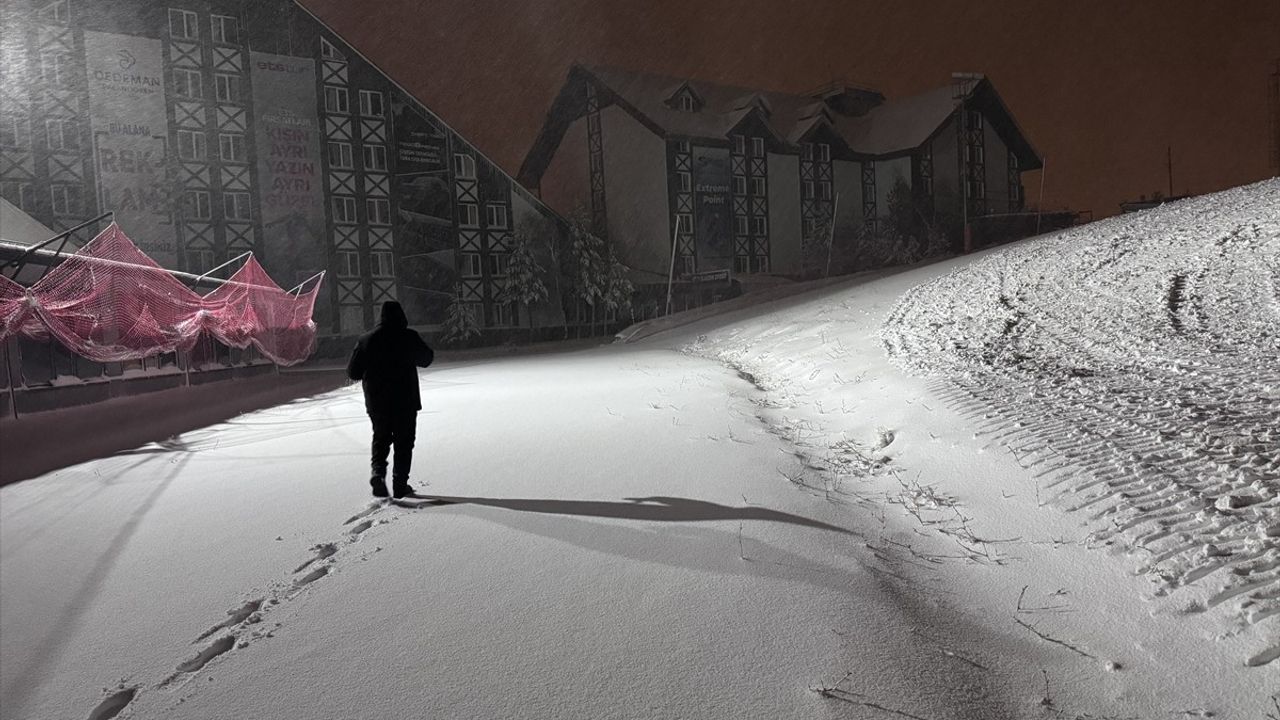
516, 186
888, 127
898, 125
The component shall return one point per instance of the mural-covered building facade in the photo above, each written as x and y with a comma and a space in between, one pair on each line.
215, 127
742, 181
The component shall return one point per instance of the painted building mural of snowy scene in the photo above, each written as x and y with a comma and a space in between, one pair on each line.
215, 128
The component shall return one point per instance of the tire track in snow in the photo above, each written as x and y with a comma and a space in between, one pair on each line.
1138, 358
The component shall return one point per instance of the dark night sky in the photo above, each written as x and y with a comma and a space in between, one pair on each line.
1100, 87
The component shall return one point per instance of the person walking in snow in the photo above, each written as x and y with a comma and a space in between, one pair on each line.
386, 362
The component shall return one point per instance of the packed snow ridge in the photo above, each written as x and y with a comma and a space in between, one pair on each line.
1135, 362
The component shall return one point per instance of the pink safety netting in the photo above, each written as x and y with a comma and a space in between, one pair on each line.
109, 302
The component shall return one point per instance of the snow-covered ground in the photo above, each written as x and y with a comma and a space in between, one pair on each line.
757, 515
1135, 367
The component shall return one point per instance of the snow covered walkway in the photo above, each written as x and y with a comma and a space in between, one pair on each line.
618, 542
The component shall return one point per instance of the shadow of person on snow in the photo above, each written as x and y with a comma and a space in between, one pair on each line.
658, 509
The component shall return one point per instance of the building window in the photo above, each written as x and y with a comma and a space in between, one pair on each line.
757, 186
739, 145
757, 147
195, 205
375, 158
470, 265
192, 145
329, 52
339, 155
371, 103
504, 315
806, 151
464, 166
379, 210
348, 262
824, 190
55, 68
824, 152
183, 25
739, 184
499, 263
684, 222
496, 215
231, 148
684, 181
381, 264
226, 88
683, 147
187, 84
62, 134
806, 189
65, 199
336, 100
686, 103
14, 131
344, 209
200, 259
58, 11
809, 226
740, 224
22, 195
225, 30
468, 215
759, 226
235, 205
690, 264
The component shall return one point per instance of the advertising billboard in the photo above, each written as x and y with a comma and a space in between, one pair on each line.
130, 130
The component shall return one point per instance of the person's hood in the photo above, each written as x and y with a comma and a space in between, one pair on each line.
393, 315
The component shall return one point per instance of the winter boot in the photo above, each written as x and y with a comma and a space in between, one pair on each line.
379, 486
401, 488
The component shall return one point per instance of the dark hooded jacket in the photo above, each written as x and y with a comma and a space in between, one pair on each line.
386, 361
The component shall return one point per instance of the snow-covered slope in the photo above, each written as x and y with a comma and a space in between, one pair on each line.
1135, 366
961, 442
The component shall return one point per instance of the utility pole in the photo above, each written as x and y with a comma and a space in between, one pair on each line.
1273, 99
962, 84
1044, 166
831, 232
671, 272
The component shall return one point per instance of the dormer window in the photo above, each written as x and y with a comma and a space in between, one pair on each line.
684, 99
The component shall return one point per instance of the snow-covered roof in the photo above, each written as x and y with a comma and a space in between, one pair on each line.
19, 228
868, 124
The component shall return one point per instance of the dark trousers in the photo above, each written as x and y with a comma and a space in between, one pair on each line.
398, 430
